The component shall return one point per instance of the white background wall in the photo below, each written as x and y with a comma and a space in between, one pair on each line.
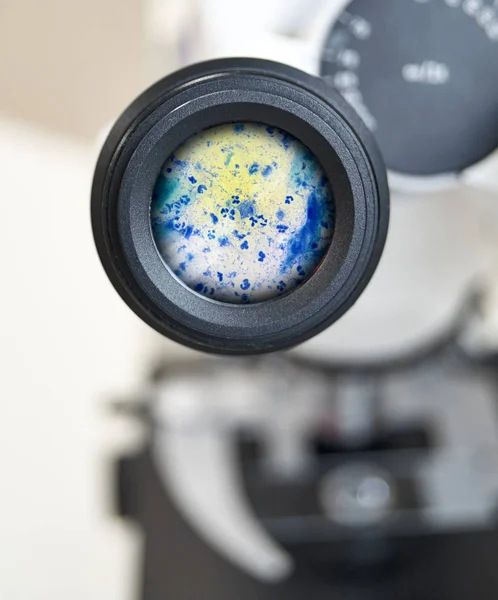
67, 345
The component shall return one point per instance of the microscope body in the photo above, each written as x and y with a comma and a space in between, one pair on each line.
364, 462
367, 485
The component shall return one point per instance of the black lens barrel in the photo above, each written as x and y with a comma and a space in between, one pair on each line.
215, 93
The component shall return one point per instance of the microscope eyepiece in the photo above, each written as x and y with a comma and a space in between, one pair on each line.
240, 206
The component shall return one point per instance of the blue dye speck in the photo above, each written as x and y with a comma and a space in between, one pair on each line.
192, 179
246, 209
201, 189
223, 241
214, 218
244, 245
245, 285
262, 256
253, 168
266, 171
285, 141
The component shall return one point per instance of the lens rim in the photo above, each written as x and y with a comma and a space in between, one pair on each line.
212, 94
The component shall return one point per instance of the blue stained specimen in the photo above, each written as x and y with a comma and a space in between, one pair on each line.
286, 140
246, 209
260, 219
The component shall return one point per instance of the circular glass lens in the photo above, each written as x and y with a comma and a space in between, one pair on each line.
242, 213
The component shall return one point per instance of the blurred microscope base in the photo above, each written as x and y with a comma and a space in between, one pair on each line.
177, 564
281, 478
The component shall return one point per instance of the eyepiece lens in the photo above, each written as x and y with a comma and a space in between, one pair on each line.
242, 213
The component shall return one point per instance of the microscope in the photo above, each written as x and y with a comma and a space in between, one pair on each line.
350, 451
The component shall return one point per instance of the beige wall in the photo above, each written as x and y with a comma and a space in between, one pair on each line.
70, 65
